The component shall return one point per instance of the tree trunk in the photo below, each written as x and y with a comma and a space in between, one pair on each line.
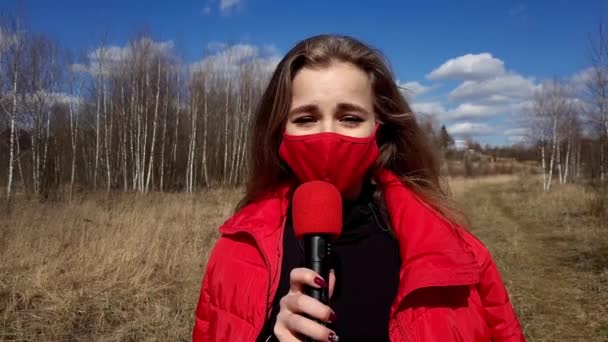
164, 136
46, 142
138, 146
73, 135
192, 145
125, 127
226, 119
134, 129
543, 163
97, 118
154, 125
144, 157
11, 158
553, 153
205, 129
567, 161
175, 135
18, 155
559, 163
35, 155
235, 138
107, 132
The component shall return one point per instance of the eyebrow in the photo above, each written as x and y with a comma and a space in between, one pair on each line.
342, 107
309, 108
346, 107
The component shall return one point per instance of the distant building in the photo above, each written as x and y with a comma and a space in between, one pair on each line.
460, 144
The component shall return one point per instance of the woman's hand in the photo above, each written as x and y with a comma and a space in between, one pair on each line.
291, 321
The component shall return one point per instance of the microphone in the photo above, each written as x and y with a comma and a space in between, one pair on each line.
317, 221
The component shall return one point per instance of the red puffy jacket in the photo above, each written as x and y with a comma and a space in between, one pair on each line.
449, 290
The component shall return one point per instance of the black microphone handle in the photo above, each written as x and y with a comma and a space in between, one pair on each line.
317, 253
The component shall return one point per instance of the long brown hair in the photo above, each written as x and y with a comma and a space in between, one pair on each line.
404, 147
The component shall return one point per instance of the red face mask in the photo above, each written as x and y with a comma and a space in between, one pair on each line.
331, 157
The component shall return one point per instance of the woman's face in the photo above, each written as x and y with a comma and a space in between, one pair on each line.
337, 98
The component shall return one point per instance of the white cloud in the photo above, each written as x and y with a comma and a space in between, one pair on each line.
470, 128
469, 67
580, 80
475, 111
583, 76
120, 53
412, 89
66, 98
488, 91
464, 111
228, 58
501, 89
428, 108
111, 55
230, 55
517, 139
78, 67
517, 135
517, 131
46, 98
227, 5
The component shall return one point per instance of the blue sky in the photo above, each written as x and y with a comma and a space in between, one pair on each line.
472, 63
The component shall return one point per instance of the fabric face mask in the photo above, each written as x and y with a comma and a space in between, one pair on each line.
331, 157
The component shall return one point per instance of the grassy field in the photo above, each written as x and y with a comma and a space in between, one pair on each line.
552, 253
128, 268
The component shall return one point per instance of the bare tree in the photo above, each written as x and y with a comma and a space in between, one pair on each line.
100, 56
164, 134
550, 106
41, 76
154, 125
75, 87
571, 135
128, 117
597, 86
11, 42
192, 145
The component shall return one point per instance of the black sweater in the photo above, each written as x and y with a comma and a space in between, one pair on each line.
367, 266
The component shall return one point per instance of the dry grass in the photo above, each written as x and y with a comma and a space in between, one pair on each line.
484, 167
552, 253
128, 268
121, 269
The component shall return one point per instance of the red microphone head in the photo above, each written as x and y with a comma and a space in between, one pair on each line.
317, 209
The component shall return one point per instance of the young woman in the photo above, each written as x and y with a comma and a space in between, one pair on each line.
405, 268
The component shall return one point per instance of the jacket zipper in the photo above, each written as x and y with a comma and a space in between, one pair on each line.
400, 327
267, 264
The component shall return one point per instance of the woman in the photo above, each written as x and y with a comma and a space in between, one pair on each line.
405, 269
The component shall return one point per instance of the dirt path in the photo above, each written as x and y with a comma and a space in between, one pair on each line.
550, 254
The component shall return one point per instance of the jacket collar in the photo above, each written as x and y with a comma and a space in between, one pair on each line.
433, 252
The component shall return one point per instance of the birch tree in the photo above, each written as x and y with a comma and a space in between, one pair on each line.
550, 105
75, 83
597, 87
11, 46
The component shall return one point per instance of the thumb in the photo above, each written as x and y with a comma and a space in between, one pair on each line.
332, 282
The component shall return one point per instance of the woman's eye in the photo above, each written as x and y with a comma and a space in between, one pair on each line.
351, 119
304, 120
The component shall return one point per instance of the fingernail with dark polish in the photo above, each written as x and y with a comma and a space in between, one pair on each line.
332, 317
333, 337
320, 282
